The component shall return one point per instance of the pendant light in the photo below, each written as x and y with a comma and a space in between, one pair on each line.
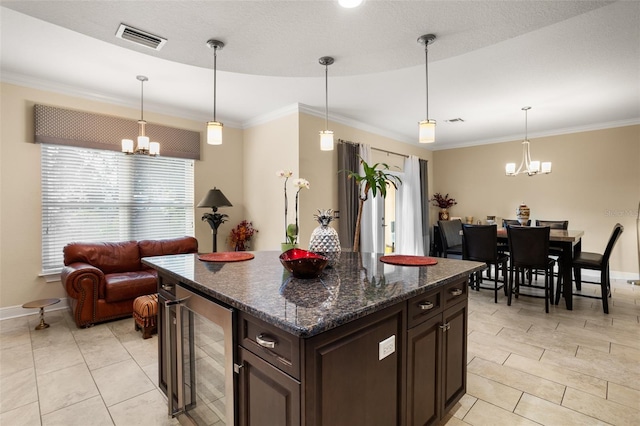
427, 127
326, 136
214, 128
143, 147
527, 165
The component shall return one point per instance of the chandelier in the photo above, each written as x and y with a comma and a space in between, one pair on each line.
527, 165
326, 135
143, 147
427, 126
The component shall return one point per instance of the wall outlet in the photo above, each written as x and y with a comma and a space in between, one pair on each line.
386, 347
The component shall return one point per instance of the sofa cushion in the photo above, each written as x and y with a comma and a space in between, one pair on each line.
180, 245
129, 285
108, 257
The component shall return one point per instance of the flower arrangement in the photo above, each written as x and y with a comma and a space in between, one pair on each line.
443, 201
291, 229
240, 236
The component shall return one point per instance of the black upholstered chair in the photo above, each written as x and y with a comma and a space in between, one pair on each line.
554, 224
529, 249
480, 243
597, 262
513, 222
451, 237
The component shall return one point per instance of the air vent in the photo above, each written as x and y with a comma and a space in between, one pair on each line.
455, 120
140, 37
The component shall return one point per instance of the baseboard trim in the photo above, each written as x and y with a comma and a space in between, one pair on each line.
19, 311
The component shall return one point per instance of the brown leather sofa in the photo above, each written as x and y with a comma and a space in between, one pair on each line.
103, 279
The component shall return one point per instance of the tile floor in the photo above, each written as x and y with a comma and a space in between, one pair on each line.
525, 367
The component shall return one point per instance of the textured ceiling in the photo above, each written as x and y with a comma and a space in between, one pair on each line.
577, 63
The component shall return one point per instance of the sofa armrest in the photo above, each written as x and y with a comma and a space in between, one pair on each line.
83, 283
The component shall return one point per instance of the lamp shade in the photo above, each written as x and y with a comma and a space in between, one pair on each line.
427, 131
326, 140
214, 133
214, 199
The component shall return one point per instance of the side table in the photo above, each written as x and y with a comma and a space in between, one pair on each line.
42, 303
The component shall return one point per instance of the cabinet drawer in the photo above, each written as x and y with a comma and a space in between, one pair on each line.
423, 307
455, 292
167, 285
275, 346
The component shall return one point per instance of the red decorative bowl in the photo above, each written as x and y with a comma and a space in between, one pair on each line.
303, 263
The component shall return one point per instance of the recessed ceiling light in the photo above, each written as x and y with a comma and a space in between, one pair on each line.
349, 4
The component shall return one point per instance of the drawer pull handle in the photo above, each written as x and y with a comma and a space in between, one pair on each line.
456, 292
265, 341
425, 306
167, 287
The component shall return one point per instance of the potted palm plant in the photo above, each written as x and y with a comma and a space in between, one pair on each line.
375, 179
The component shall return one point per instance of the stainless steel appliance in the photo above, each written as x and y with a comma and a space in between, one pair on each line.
197, 357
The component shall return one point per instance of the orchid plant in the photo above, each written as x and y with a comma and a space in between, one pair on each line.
291, 229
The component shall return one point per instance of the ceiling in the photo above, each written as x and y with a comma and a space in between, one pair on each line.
576, 63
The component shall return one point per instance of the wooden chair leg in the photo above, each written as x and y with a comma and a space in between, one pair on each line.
604, 290
577, 277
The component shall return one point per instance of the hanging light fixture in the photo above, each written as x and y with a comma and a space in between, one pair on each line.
527, 165
143, 146
214, 128
326, 136
427, 127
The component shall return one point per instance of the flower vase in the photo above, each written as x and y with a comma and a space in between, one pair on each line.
523, 213
288, 246
443, 214
241, 246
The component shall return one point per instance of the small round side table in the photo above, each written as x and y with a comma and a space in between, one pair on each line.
42, 303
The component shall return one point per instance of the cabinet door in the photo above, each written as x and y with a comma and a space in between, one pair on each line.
454, 355
266, 395
424, 369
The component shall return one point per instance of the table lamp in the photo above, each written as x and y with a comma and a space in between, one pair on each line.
214, 199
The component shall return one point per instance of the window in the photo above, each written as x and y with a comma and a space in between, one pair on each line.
99, 195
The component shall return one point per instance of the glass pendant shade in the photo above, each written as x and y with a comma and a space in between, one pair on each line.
127, 146
143, 143
154, 148
214, 133
427, 131
326, 140
510, 169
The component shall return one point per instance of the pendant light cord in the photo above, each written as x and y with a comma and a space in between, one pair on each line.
215, 66
426, 62
141, 100
326, 96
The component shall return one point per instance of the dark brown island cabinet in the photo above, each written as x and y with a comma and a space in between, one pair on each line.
400, 364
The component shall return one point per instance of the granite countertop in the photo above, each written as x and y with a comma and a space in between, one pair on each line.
358, 285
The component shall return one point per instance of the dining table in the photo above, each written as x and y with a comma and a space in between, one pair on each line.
570, 243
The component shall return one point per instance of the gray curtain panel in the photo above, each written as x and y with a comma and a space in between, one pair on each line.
424, 188
347, 193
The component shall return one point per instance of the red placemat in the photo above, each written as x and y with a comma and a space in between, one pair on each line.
226, 256
406, 260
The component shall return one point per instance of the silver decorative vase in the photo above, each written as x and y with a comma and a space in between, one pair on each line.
324, 239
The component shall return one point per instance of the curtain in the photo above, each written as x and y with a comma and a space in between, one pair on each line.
347, 193
371, 231
424, 205
409, 234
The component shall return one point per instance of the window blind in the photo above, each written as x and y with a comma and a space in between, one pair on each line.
94, 195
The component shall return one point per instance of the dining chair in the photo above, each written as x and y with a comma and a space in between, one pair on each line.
554, 224
480, 244
597, 262
514, 222
529, 249
450, 236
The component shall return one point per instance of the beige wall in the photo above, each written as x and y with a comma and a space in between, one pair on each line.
20, 211
594, 184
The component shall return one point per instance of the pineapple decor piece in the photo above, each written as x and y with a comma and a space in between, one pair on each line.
324, 239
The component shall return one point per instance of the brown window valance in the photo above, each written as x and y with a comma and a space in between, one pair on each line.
90, 130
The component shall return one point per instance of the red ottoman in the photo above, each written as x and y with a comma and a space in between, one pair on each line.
145, 314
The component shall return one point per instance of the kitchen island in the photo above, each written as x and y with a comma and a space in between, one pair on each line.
366, 343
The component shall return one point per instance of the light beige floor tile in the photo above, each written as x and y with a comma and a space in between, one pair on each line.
151, 371
572, 336
620, 362
55, 320
56, 357
560, 375
547, 339
13, 337
507, 345
27, 415
517, 379
477, 324
548, 413
483, 413
625, 352
493, 392
463, 406
143, 351
15, 359
128, 413
498, 320
448, 420
56, 334
103, 352
88, 412
65, 387
92, 334
607, 411
18, 389
624, 395
121, 381
14, 323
